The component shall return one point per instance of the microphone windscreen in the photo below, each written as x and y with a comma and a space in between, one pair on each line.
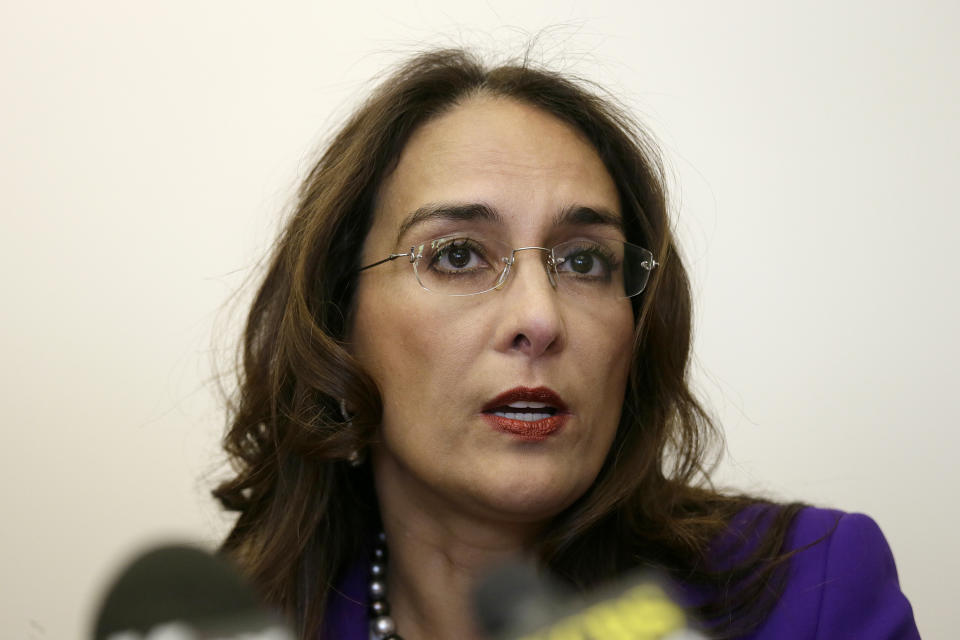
515, 596
517, 603
187, 587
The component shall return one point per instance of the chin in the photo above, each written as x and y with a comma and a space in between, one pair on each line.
532, 498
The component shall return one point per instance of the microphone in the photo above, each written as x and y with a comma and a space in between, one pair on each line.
178, 592
515, 602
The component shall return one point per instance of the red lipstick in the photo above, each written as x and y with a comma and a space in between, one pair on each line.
529, 414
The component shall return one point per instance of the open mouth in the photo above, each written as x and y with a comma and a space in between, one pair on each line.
524, 410
526, 403
530, 414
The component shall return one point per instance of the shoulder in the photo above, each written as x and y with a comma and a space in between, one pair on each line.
842, 582
346, 614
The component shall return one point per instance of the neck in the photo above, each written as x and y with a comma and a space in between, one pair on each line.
437, 553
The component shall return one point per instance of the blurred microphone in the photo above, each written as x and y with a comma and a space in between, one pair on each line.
177, 592
516, 602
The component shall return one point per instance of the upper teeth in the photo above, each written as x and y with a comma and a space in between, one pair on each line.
526, 417
523, 404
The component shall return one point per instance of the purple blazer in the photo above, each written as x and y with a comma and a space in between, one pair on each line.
843, 587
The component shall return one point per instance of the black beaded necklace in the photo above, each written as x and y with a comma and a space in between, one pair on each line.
382, 625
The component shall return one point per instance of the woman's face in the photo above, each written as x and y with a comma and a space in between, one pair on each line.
443, 364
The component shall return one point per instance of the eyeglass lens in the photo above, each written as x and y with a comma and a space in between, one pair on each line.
592, 267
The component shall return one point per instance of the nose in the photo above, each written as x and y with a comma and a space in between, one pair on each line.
530, 310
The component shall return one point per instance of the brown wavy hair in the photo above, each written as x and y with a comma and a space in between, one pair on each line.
304, 512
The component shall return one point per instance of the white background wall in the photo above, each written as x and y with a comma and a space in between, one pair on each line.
147, 151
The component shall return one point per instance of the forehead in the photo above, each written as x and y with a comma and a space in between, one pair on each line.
514, 158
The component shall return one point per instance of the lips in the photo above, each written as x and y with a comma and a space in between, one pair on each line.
529, 414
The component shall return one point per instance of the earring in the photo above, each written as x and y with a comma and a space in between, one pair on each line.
356, 457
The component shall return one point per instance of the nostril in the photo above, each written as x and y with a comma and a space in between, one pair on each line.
520, 341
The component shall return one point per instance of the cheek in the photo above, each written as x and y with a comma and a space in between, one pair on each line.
410, 348
611, 349
606, 338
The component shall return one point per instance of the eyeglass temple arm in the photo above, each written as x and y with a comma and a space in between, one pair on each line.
392, 256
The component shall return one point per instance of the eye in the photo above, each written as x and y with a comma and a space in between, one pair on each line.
585, 259
582, 263
457, 255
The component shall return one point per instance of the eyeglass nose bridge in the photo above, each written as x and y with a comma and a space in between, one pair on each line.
550, 265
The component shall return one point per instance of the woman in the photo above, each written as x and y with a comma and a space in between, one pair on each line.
473, 337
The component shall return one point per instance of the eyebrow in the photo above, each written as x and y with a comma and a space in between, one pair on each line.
573, 215
473, 211
579, 216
